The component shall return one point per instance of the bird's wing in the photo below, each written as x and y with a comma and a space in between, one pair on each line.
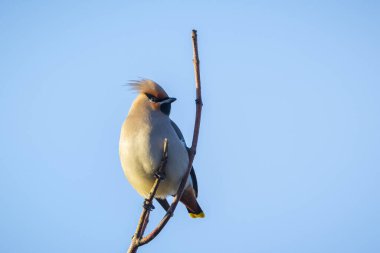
194, 180
192, 172
178, 132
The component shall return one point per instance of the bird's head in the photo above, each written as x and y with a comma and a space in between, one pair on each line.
153, 96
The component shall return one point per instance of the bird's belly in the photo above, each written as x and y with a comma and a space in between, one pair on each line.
141, 157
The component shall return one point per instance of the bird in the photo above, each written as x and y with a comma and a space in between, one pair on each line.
141, 145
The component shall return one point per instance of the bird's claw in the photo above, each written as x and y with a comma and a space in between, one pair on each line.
147, 205
160, 175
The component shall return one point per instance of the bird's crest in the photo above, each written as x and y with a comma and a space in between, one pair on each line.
149, 87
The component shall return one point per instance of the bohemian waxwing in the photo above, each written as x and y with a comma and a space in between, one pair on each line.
141, 146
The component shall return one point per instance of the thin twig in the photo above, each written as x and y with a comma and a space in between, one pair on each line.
138, 239
193, 148
147, 206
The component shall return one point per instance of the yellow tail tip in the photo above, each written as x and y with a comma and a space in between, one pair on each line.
197, 215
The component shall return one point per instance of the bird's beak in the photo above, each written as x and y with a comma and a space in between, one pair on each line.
168, 101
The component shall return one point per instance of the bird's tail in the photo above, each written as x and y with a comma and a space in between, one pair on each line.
190, 201
196, 214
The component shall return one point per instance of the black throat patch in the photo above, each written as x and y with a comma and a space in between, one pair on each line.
165, 108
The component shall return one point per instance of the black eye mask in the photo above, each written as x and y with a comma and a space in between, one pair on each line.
164, 108
154, 99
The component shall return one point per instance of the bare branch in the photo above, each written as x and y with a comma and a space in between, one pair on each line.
148, 206
138, 239
193, 148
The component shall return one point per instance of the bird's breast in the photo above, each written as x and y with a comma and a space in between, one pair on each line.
140, 149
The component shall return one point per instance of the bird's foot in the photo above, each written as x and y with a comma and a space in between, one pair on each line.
148, 205
160, 175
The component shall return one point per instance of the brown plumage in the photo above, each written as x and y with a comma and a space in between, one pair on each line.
141, 138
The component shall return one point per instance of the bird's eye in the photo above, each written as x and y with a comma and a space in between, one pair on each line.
152, 98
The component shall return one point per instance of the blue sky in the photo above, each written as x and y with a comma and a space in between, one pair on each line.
288, 158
